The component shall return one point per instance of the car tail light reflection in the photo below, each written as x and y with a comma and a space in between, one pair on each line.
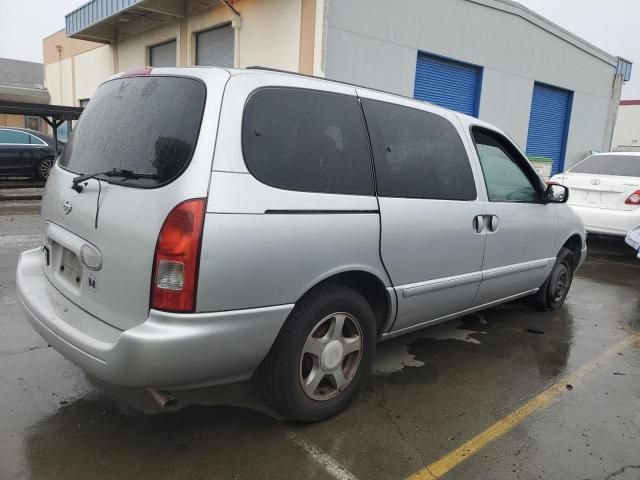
177, 256
634, 198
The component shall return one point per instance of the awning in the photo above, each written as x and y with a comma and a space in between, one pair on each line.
106, 20
9, 93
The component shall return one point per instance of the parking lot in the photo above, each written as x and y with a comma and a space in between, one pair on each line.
507, 393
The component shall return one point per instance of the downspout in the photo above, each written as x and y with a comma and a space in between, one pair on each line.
59, 49
612, 117
236, 23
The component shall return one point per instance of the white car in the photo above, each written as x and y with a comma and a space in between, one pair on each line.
604, 190
633, 239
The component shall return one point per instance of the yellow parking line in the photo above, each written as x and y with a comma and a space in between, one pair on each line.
454, 458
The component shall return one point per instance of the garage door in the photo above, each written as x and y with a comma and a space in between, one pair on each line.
549, 124
163, 55
450, 84
215, 47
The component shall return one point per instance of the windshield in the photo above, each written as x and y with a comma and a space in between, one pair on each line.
618, 165
147, 125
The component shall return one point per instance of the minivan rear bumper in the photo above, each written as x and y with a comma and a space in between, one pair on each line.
167, 350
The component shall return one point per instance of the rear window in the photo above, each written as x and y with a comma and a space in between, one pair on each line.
148, 125
307, 140
618, 165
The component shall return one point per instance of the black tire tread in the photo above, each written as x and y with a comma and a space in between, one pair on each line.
271, 372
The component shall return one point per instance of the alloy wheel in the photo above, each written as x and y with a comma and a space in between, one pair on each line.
330, 356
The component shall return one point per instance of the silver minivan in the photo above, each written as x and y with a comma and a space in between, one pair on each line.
205, 226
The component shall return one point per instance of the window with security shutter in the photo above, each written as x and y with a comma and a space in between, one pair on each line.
163, 55
215, 47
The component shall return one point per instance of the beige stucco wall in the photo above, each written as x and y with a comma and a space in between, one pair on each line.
91, 69
134, 52
269, 34
627, 132
58, 80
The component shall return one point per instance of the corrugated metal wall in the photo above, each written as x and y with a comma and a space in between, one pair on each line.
450, 84
549, 124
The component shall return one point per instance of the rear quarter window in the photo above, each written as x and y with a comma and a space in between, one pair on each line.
307, 140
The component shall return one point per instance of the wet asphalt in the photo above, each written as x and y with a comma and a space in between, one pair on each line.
430, 392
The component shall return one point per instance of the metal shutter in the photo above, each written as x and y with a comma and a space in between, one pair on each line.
549, 123
448, 83
215, 47
163, 55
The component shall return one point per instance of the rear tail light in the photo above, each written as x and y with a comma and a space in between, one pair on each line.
634, 198
175, 265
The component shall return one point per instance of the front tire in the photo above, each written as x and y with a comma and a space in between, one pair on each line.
322, 355
555, 289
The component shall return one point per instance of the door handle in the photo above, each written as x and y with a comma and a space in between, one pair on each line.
478, 223
489, 222
494, 223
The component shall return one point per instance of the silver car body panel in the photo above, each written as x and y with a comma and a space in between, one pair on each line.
166, 350
128, 224
264, 247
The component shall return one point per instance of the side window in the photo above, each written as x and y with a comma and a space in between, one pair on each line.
13, 136
35, 140
505, 179
307, 140
417, 154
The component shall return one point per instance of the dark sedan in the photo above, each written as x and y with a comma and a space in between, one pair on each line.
26, 152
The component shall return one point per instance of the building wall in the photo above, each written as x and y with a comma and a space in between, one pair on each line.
627, 132
91, 69
9, 120
514, 52
269, 35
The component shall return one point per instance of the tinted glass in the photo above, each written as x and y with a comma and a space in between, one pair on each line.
13, 136
307, 140
143, 124
417, 154
35, 140
619, 165
505, 180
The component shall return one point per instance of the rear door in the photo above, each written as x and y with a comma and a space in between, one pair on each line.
604, 181
521, 229
16, 153
145, 124
428, 201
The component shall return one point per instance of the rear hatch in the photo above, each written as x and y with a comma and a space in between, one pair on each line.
603, 181
146, 125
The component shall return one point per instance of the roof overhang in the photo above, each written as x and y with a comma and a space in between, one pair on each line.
56, 112
10, 93
108, 21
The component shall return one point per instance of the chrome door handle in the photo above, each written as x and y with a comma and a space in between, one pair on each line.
478, 223
494, 223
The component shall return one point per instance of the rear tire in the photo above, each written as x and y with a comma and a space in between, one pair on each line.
44, 168
555, 289
321, 356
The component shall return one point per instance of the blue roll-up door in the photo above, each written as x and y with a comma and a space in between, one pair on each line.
450, 84
549, 124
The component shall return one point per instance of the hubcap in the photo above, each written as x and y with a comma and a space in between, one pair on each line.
562, 283
45, 168
330, 356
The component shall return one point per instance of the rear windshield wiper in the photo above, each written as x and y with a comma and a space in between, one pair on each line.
114, 172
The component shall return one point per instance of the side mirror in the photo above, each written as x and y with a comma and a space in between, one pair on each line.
556, 193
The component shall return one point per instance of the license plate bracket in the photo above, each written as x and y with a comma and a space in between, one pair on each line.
70, 267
